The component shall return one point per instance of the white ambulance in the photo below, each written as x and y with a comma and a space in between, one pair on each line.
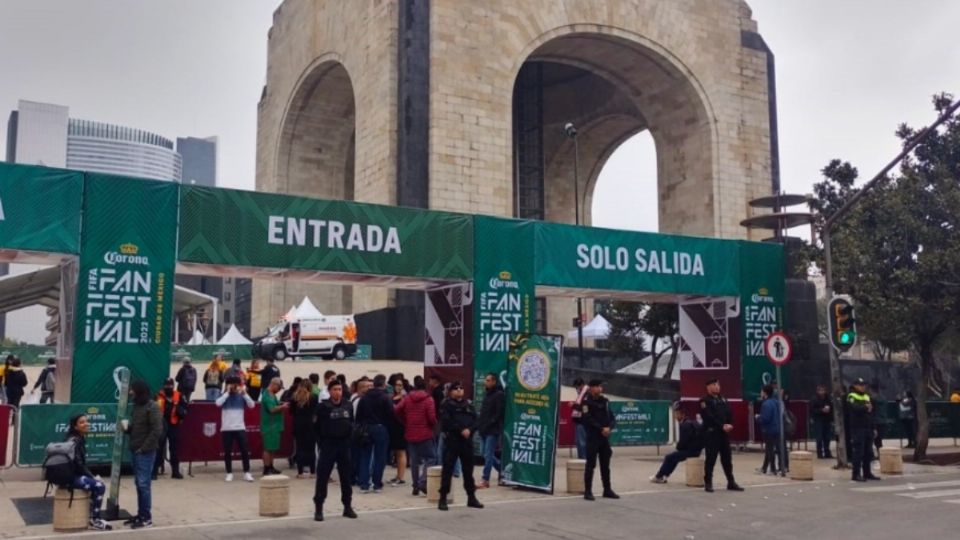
327, 336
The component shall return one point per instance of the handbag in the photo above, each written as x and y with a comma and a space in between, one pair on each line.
361, 435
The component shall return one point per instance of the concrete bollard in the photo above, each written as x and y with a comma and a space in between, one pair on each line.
69, 517
433, 484
575, 468
274, 495
801, 465
694, 469
891, 461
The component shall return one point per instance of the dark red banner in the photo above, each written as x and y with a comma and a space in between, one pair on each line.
5, 428
200, 434
566, 432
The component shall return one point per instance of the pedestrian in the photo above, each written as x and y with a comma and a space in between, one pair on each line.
84, 479
186, 379
145, 428
769, 417
441, 439
398, 443
689, 445
717, 423
328, 377
303, 408
47, 381
271, 423
3, 369
580, 431
907, 411
879, 417
315, 389
861, 431
14, 381
335, 427
458, 421
600, 422
213, 380
343, 384
287, 395
490, 426
374, 411
270, 371
357, 445
254, 379
173, 408
821, 411
236, 370
418, 416
233, 428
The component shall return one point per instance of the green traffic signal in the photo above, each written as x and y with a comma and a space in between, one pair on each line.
843, 323
846, 338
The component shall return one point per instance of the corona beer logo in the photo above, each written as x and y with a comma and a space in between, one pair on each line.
763, 291
531, 411
505, 275
128, 254
93, 410
503, 281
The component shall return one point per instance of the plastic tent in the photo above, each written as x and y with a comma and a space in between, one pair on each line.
292, 314
598, 328
198, 339
234, 337
307, 310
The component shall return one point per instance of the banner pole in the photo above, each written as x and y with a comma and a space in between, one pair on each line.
122, 376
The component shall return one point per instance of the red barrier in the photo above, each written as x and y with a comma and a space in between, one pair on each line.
566, 432
200, 434
6, 411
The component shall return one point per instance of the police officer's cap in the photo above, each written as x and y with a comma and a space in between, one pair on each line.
596, 382
860, 381
456, 385
712, 381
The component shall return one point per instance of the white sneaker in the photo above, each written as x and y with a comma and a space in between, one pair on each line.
229, 477
247, 477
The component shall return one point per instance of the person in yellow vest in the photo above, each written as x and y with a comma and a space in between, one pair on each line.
254, 380
173, 408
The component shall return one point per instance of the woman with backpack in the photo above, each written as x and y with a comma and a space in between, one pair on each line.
82, 477
213, 379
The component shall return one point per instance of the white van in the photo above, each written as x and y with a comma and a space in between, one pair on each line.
329, 337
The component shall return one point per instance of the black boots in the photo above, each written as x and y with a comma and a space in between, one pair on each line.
589, 496
472, 502
609, 494
442, 505
349, 513
734, 487
318, 513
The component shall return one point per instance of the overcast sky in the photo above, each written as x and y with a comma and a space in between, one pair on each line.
848, 71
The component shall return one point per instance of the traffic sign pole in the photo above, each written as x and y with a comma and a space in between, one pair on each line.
779, 350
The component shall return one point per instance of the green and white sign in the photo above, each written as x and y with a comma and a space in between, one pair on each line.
606, 259
125, 284
244, 228
530, 423
640, 423
43, 424
762, 296
40, 208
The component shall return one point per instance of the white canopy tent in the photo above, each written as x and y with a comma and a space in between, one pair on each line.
292, 314
234, 337
198, 339
307, 310
598, 328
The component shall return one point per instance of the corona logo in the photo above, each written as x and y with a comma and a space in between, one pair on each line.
763, 291
129, 249
93, 410
505, 275
531, 411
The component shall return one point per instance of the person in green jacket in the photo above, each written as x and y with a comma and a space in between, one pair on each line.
271, 423
145, 428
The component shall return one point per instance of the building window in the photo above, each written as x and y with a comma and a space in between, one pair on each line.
541, 324
226, 316
227, 297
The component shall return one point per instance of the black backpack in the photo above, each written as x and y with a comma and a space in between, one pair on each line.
59, 468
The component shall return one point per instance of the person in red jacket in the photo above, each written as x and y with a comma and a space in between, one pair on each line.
418, 414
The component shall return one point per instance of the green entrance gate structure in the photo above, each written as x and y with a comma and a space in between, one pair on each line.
129, 237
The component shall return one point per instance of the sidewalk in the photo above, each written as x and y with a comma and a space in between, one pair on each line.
206, 498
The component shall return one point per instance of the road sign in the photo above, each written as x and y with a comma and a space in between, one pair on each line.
778, 347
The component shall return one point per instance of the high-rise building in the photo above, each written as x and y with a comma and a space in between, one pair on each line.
199, 160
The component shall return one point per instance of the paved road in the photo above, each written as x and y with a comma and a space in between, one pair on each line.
917, 507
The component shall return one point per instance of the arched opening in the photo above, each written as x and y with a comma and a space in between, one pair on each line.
612, 87
316, 157
625, 194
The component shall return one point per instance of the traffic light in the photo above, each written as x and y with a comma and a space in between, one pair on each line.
843, 323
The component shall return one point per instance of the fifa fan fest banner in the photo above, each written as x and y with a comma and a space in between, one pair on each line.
125, 284
533, 403
41, 425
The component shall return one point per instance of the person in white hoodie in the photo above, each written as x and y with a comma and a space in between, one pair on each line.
233, 429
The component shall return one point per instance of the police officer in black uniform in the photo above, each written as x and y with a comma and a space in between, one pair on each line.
861, 431
717, 424
458, 421
334, 426
599, 421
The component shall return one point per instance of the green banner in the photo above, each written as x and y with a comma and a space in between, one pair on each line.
43, 424
640, 423
243, 228
591, 258
762, 296
503, 292
125, 284
530, 423
40, 208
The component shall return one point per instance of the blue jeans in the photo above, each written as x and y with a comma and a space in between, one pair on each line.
490, 460
373, 458
212, 394
421, 455
95, 488
581, 440
142, 472
671, 460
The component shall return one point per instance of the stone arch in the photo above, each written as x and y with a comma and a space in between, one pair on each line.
627, 84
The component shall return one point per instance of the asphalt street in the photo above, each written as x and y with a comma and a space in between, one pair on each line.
896, 508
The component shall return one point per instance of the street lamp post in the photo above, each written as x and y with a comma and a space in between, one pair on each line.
571, 132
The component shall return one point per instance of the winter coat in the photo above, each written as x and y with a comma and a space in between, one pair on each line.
492, 411
418, 415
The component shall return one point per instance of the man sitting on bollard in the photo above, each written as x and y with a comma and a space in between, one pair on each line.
689, 445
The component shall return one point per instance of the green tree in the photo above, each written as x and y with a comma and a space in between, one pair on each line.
634, 324
898, 252
660, 322
625, 337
